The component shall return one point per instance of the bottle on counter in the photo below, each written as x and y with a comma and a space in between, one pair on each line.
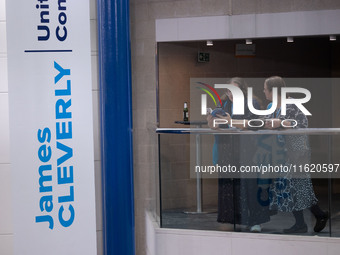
185, 112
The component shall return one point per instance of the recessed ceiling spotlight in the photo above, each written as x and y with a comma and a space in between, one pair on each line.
332, 38
290, 39
249, 41
210, 43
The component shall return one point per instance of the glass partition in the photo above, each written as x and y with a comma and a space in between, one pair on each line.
290, 175
257, 187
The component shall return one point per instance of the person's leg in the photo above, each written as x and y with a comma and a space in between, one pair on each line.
299, 226
299, 219
258, 201
317, 212
321, 218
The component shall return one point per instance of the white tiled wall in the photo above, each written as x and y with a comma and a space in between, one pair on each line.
4, 129
321, 22
3, 45
6, 226
6, 244
96, 124
193, 242
3, 75
2, 10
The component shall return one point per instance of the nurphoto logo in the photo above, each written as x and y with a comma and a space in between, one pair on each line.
239, 103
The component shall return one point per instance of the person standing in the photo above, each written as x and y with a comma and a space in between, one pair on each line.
293, 193
237, 198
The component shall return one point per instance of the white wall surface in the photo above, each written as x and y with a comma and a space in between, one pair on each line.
198, 242
96, 123
6, 225
321, 22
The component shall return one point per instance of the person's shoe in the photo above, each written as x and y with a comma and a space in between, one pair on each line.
255, 229
321, 222
296, 229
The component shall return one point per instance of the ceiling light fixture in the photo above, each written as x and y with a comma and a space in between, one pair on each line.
290, 39
332, 38
249, 41
210, 43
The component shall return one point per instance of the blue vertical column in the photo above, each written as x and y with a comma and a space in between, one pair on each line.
116, 126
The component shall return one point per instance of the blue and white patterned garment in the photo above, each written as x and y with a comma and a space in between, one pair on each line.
294, 192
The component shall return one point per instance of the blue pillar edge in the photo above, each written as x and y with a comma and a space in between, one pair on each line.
116, 127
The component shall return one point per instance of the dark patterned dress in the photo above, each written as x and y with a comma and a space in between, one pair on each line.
294, 191
238, 201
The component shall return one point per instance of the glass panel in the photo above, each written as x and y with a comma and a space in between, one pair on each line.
196, 199
334, 189
276, 201
285, 197
179, 204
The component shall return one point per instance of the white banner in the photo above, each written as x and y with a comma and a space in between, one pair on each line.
51, 128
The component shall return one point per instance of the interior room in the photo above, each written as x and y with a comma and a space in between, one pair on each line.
314, 59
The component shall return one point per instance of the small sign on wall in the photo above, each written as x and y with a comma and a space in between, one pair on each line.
203, 57
245, 50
